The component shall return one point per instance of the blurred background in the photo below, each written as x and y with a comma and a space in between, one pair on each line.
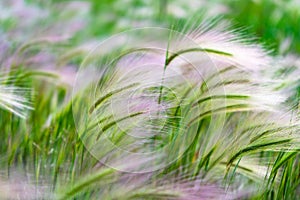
274, 22
67, 30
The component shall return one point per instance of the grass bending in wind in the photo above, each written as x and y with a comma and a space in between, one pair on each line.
13, 98
205, 156
217, 129
100, 100
173, 56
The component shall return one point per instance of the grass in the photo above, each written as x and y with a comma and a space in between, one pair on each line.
206, 113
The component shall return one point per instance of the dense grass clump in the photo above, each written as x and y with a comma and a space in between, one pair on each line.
96, 104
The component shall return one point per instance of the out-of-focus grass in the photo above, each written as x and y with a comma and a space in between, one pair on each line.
274, 22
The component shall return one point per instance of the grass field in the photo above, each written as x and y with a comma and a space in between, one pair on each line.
136, 99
